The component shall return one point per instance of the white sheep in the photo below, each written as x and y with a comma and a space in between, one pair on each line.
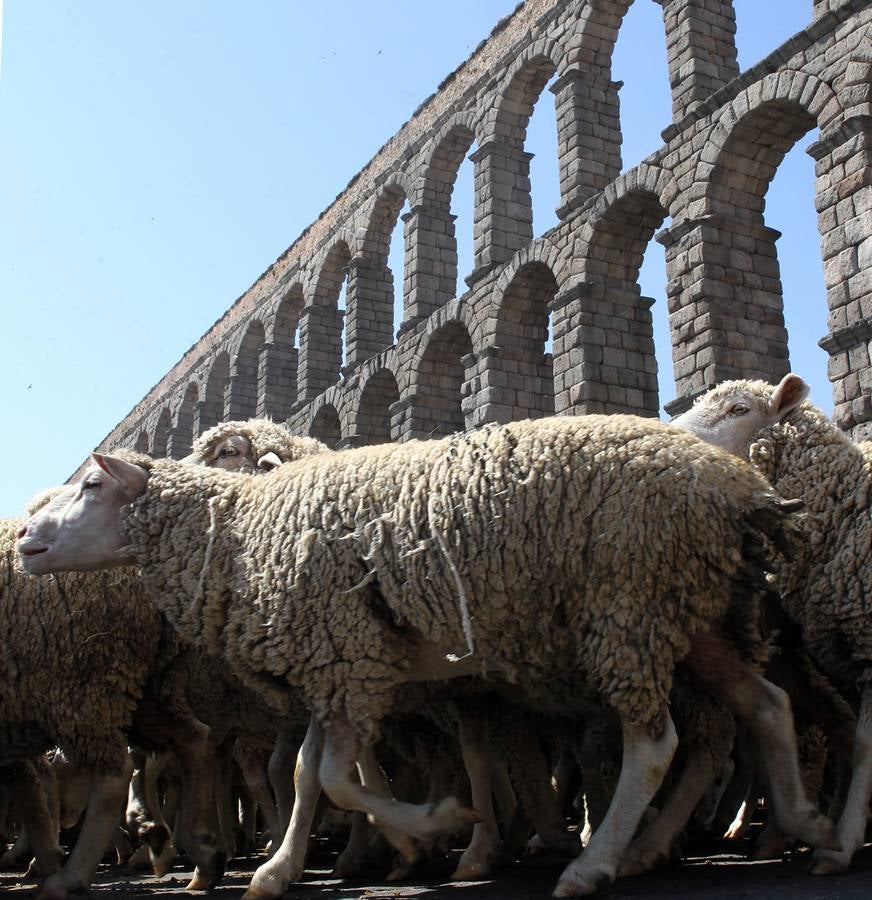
608, 548
827, 590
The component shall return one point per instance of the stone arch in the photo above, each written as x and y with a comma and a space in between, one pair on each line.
380, 393
725, 250
325, 426
161, 435
244, 373
320, 354
449, 148
370, 315
604, 322
438, 379
182, 437
212, 410
279, 358
853, 85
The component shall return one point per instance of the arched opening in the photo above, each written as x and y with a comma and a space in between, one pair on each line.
326, 427
440, 378
141, 445
541, 143
212, 411
321, 324
521, 337
161, 433
183, 432
622, 371
243, 380
645, 93
277, 374
374, 414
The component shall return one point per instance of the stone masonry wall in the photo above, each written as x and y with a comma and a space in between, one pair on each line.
459, 362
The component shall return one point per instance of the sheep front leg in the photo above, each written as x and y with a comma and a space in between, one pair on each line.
101, 817
644, 764
39, 824
280, 771
478, 858
423, 821
287, 864
852, 823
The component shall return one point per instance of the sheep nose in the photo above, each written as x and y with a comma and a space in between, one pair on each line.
21, 532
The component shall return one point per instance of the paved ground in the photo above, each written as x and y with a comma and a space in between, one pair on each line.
718, 876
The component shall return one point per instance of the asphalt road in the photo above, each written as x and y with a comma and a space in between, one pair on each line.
718, 875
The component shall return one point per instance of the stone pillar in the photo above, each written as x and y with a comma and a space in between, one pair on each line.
700, 49
726, 312
604, 358
277, 381
588, 134
369, 300
503, 211
403, 419
320, 350
843, 165
431, 263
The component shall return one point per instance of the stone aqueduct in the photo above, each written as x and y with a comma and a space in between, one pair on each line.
462, 361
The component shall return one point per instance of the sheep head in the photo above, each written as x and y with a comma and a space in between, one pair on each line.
79, 528
731, 414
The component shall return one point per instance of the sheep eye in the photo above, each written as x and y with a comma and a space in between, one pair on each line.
91, 485
739, 409
227, 451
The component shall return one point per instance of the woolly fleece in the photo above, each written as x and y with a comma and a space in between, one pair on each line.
594, 545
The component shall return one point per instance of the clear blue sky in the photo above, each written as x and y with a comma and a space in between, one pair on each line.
157, 157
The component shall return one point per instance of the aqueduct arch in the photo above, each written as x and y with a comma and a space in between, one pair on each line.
462, 359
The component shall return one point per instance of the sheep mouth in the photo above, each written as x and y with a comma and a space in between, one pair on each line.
28, 553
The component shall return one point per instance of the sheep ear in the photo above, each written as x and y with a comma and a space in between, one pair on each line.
788, 394
269, 461
131, 477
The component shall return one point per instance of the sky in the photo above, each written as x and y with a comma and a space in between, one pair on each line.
156, 158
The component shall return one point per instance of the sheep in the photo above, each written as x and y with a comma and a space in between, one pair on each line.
344, 575
828, 589
76, 673
251, 445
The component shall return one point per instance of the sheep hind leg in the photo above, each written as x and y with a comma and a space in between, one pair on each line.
765, 708
287, 863
645, 762
423, 821
852, 823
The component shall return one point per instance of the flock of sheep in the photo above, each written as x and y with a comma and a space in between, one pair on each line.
453, 638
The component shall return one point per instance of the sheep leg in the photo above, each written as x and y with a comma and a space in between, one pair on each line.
655, 843
644, 764
228, 817
423, 821
852, 823
280, 770
504, 793
39, 827
766, 710
478, 858
349, 861
255, 776
287, 864
101, 817
143, 816
195, 824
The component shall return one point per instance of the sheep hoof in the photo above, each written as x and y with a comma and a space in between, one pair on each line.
450, 816
257, 892
638, 861
53, 889
402, 869
471, 871
576, 882
140, 861
828, 862
347, 866
201, 882
162, 862
817, 831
